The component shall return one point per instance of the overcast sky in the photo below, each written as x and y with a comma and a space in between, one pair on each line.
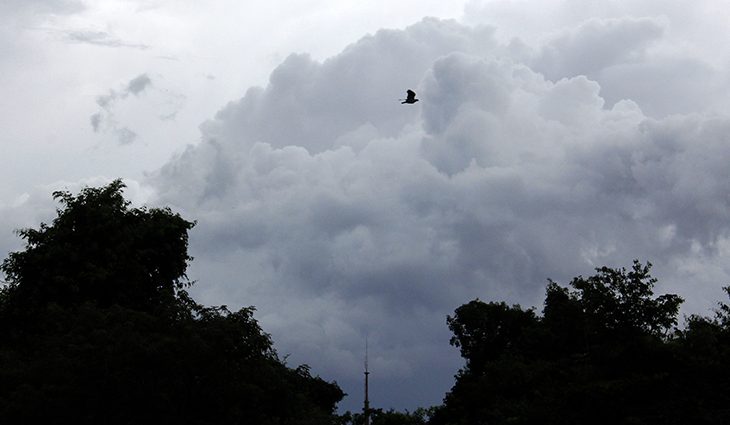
550, 138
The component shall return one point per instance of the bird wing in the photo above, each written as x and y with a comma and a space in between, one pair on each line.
411, 94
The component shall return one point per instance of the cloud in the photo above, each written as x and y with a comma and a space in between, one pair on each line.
304, 92
101, 38
18, 16
339, 212
596, 45
95, 121
138, 84
663, 56
617, 53
124, 135
105, 119
34, 9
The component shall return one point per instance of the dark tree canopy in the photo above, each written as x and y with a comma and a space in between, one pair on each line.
604, 351
486, 331
99, 249
96, 327
419, 416
619, 300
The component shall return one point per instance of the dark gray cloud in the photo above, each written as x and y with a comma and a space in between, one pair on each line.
339, 212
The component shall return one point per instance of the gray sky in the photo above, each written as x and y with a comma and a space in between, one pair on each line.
551, 138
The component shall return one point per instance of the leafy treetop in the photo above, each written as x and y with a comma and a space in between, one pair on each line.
96, 327
100, 250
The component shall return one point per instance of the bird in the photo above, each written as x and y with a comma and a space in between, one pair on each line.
410, 97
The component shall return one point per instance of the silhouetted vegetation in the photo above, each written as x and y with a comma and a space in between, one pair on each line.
604, 351
96, 328
419, 416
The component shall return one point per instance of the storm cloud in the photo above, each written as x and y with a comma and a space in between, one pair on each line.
548, 140
341, 213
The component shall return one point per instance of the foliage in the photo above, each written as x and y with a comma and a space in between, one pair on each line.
96, 327
615, 300
604, 351
485, 331
100, 250
419, 416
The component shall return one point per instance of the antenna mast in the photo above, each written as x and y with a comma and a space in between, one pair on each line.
366, 407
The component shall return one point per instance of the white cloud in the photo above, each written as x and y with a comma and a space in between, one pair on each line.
33, 9
628, 58
101, 38
295, 107
45, 75
667, 57
339, 212
105, 119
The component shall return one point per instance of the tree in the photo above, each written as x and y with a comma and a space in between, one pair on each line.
96, 327
100, 250
485, 331
601, 353
703, 372
615, 300
419, 416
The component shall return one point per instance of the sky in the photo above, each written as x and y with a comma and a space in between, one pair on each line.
551, 137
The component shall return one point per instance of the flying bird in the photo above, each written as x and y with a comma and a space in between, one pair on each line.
410, 97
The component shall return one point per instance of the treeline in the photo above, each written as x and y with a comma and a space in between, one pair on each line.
605, 350
96, 326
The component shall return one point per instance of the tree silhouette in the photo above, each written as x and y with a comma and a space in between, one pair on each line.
604, 351
100, 250
615, 300
486, 331
419, 416
96, 327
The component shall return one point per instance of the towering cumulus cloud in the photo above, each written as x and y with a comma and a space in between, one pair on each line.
341, 213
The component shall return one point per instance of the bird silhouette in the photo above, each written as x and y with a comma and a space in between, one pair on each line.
410, 97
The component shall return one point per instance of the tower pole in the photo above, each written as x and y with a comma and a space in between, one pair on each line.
366, 407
